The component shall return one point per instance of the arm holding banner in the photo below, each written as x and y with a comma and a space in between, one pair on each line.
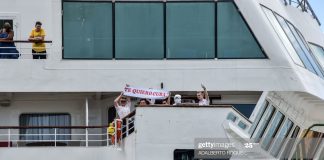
169, 99
116, 101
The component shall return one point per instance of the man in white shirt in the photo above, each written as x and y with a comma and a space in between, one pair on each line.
203, 97
122, 105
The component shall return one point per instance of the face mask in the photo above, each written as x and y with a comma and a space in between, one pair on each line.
177, 99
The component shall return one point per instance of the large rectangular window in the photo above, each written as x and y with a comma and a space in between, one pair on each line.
234, 39
45, 134
87, 30
190, 30
139, 30
102, 29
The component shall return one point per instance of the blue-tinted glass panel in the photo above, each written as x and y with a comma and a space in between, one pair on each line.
319, 53
280, 139
139, 30
258, 117
242, 125
281, 33
263, 123
268, 138
245, 109
87, 30
306, 50
231, 117
295, 43
234, 38
190, 30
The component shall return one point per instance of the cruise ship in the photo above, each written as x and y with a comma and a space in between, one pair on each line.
262, 62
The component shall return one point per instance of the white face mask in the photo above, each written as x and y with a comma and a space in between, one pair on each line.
177, 99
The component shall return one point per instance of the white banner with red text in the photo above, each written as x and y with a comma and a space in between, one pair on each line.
146, 93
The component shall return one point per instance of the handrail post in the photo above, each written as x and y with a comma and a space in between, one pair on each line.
9, 137
86, 137
116, 132
54, 137
127, 126
107, 138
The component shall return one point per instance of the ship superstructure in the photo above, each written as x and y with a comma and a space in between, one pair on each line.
262, 62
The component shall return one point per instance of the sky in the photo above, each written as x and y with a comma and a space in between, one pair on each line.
318, 7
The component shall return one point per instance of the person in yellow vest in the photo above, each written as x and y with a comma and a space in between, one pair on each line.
37, 36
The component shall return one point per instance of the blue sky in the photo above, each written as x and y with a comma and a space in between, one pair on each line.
318, 7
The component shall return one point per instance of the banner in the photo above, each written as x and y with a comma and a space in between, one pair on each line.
146, 93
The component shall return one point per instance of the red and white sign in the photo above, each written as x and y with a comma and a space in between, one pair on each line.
146, 93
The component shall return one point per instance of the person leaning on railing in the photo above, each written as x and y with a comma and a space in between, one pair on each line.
37, 36
6, 44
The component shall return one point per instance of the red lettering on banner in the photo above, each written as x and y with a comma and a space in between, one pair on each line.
134, 91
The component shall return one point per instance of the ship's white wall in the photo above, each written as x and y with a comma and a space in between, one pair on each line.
278, 73
72, 153
161, 130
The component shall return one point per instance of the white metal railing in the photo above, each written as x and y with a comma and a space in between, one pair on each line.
24, 49
82, 136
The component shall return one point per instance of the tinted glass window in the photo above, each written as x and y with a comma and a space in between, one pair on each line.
281, 33
190, 30
139, 30
281, 137
87, 30
234, 38
263, 123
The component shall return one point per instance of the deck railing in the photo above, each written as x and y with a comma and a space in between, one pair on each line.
54, 136
304, 5
23, 47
